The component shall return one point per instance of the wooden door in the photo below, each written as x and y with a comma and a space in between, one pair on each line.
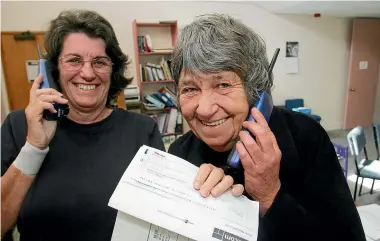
363, 73
15, 53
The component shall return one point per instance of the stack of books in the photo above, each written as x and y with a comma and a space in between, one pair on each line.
164, 98
156, 72
169, 123
144, 43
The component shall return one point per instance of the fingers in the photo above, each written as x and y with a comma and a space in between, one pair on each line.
48, 106
203, 173
44, 102
35, 86
262, 135
261, 130
213, 179
37, 82
251, 146
224, 185
237, 190
259, 118
36, 109
48, 91
245, 158
35, 91
52, 98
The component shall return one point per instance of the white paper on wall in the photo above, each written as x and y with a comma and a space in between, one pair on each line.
31, 69
291, 65
363, 65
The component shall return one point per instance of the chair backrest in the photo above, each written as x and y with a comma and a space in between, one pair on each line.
356, 142
293, 103
376, 137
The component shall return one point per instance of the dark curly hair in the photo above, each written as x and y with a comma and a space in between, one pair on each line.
93, 25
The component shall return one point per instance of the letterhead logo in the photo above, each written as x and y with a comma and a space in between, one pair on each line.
225, 236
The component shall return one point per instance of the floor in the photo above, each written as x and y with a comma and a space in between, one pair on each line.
340, 137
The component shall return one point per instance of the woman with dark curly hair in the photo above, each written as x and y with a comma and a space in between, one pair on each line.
57, 176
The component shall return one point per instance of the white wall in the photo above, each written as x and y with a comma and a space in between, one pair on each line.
323, 54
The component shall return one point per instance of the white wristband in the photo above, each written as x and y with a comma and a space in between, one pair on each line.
30, 159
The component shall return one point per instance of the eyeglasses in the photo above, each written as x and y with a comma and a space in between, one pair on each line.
101, 65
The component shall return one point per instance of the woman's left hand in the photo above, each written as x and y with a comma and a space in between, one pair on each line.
211, 180
261, 161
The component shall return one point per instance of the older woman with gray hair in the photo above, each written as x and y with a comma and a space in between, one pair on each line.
290, 167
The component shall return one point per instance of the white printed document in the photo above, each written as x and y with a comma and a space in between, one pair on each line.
370, 218
156, 201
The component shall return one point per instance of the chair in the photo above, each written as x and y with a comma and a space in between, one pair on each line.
376, 138
365, 168
297, 103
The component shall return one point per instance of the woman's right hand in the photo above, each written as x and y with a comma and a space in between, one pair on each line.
212, 180
40, 131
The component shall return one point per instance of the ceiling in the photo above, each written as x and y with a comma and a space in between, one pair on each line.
325, 8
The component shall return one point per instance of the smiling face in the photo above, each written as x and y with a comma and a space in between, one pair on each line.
85, 87
215, 106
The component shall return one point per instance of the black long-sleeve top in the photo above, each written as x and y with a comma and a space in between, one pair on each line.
68, 199
314, 202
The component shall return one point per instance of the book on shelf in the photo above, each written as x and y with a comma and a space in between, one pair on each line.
157, 101
151, 107
169, 123
144, 43
169, 94
152, 99
163, 98
156, 72
178, 127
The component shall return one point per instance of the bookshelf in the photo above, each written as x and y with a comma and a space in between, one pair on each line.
153, 46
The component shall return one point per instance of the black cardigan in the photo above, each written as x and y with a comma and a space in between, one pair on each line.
314, 202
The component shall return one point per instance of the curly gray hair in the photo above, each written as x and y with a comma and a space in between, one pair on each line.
218, 42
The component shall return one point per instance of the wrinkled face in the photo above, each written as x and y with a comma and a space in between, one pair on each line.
85, 71
215, 106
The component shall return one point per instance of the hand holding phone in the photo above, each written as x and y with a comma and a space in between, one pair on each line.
45, 68
259, 152
260, 159
40, 131
265, 105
